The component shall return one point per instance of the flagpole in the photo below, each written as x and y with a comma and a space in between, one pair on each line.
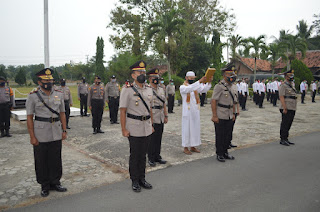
46, 35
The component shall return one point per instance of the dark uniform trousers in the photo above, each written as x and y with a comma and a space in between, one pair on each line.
268, 95
5, 114
231, 131
223, 131
244, 100
113, 108
97, 112
83, 104
303, 94
275, 98
261, 98
67, 108
256, 98
48, 164
202, 98
286, 123
137, 160
170, 103
154, 147
240, 98
313, 95
271, 97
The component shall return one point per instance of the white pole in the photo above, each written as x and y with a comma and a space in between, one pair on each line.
46, 35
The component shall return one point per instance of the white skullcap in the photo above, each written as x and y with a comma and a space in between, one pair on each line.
190, 74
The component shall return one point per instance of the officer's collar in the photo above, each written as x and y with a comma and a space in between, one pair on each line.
137, 86
39, 89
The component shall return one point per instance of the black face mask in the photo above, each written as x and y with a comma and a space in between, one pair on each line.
63, 83
98, 83
231, 79
47, 86
190, 81
83, 81
291, 79
155, 81
2, 84
141, 78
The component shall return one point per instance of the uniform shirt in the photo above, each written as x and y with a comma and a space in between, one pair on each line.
66, 94
158, 114
234, 91
286, 90
268, 86
255, 87
6, 95
130, 100
275, 86
170, 89
222, 96
82, 88
96, 92
239, 87
244, 88
112, 89
302, 87
314, 86
46, 131
261, 87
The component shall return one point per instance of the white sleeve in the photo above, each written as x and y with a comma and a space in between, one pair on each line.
260, 87
190, 88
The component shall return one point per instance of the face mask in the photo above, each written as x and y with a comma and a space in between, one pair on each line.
2, 84
190, 81
162, 81
231, 79
113, 80
141, 78
172, 83
83, 81
98, 83
47, 86
155, 81
63, 83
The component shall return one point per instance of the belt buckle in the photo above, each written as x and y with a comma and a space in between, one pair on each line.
52, 120
143, 118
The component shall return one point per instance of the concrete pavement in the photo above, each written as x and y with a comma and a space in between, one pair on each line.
267, 177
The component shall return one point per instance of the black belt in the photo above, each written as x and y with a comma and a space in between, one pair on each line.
157, 107
225, 106
141, 118
66, 100
51, 120
115, 97
290, 97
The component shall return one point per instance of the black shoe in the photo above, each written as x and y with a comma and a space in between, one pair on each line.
161, 161
151, 163
285, 143
232, 146
228, 157
99, 130
220, 158
289, 142
116, 122
68, 128
2, 133
144, 184
58, 188
111, 122
45, 193
8, 134
135, 186
302, 103
95, 131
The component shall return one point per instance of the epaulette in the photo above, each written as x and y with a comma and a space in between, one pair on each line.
147, 85
58, 90
34, 91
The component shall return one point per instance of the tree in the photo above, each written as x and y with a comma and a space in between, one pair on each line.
21, 77
316, 23
301, 72
235, 42
2, 72
164, 30
294, 43
100, 69
35, 69
257, 44
216, 56
304, 32
276, 51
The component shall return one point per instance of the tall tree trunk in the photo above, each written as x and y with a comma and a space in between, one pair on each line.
255, 68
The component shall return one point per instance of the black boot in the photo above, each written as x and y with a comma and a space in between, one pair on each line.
99, 130
95, 131
2, 133
8, 134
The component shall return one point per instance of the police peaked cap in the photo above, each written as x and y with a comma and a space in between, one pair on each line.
139, 66
45, 74
153, 71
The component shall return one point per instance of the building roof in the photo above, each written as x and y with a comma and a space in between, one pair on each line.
312, 59
262, 65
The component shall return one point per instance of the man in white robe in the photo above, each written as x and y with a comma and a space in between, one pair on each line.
191, 111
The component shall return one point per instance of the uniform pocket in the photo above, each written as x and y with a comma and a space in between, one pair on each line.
39, 125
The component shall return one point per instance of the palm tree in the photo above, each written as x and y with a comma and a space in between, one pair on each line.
294, 43
165, 30
305, 32
235, 42
257, 44
276, 51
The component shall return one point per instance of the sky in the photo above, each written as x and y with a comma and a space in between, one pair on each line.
75, 24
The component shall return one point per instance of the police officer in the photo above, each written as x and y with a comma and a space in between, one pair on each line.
112, 96
160, 117
223, 113
136, 123
288, 106
170, 93
67, 99
6, 104
83, 96
234, 91
47, 131
96, 103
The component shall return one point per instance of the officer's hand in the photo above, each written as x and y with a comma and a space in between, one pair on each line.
11, 108
285, 111
153, 129
90, 107
34, 141
233, 117
125, 133
165, 120
79, 99
215, 119
71, 105
64, 135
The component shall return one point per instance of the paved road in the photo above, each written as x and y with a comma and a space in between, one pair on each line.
267, 177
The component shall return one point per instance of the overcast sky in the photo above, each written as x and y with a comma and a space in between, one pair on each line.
75, 24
